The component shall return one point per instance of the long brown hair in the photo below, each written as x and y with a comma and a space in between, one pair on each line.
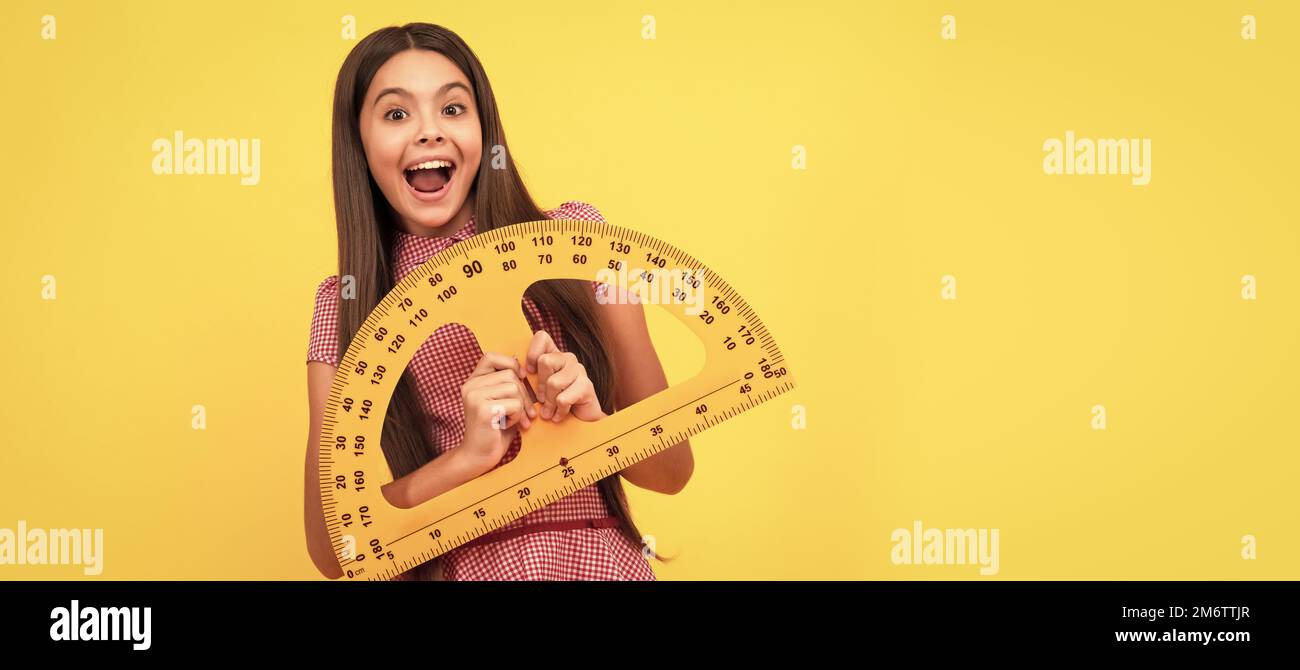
366, 236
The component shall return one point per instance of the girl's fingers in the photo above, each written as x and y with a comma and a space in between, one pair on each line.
496, 368
544, 366
510, 388
554, 383
490, 379
491, 362
540, 344
522, 389
567, 398
526, 398
549, 364
506, 412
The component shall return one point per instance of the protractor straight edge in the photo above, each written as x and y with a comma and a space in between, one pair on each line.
479, 283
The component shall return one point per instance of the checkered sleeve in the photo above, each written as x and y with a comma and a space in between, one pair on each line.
324, 341
576, 209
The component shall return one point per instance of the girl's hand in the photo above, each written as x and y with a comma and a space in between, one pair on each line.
563, 386
496, 403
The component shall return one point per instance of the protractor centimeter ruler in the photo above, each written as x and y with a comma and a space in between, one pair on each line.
479, 282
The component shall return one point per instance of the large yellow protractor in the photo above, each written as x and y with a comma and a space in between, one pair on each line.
374, 540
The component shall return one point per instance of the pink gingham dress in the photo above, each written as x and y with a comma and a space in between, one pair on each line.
441, 366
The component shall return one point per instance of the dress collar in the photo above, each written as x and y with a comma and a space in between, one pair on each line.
411, 251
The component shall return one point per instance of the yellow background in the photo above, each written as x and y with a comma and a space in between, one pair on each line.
924, 159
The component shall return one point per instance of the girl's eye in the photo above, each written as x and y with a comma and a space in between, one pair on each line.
457, 105
392, 111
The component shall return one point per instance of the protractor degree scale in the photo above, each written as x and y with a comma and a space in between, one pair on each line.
375, 540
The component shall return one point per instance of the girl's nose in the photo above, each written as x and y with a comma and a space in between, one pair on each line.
430, 132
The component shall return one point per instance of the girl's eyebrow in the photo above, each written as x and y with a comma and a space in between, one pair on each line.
407, 94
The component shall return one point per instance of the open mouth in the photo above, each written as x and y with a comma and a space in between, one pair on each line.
430, 176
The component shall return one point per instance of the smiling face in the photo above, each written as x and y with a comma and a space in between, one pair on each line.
423, 141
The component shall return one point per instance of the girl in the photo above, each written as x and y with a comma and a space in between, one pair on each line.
413, 114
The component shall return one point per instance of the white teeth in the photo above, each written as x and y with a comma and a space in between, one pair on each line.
429, 165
